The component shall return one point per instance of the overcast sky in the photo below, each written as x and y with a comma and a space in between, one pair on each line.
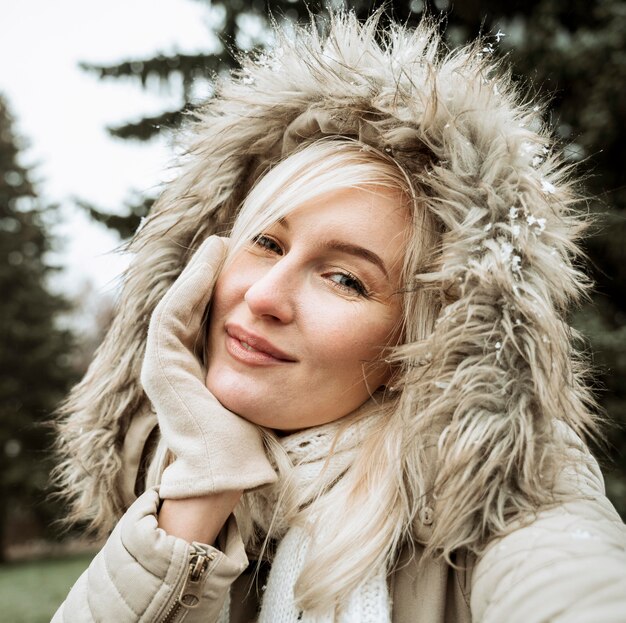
63, 111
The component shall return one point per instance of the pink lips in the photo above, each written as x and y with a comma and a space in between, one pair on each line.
252, 348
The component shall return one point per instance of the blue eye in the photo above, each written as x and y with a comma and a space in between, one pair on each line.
347, 281
267, 243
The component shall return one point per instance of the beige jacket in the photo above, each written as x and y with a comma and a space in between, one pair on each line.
567, 565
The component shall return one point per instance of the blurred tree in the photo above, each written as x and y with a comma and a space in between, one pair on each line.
574, 52
35, 364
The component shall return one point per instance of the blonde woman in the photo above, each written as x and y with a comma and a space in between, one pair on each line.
364, 404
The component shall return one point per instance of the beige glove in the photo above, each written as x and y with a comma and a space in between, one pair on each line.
215, 449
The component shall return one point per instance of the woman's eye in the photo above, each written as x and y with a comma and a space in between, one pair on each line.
268, 244
347, 281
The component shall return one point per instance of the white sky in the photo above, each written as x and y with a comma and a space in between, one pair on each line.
63, 111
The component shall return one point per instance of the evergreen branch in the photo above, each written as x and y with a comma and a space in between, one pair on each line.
146, 128
163, 67
124, 224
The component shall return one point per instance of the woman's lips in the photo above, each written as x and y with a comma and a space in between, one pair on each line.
251, 348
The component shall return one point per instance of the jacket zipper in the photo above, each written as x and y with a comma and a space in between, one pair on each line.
191, 590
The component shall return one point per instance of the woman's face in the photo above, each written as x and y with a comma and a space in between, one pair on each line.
300, 318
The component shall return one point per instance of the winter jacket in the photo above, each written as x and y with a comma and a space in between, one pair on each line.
566, 564
494, 385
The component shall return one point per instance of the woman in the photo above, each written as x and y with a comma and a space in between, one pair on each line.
384, 393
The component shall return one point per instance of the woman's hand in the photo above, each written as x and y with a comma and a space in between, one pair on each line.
215, 450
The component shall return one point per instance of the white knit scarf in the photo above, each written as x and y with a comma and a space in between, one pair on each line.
319, 458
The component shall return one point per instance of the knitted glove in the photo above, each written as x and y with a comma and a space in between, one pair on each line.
215, 449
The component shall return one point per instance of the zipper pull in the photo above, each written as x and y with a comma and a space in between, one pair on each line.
191, 592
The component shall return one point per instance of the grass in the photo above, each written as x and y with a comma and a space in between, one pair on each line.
31, 592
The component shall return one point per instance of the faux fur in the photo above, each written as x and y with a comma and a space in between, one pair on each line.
499, 369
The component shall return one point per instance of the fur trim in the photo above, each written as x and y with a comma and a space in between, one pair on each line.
498, 371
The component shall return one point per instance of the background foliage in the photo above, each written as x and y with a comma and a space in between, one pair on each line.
35, 362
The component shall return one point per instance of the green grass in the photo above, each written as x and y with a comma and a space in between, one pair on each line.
31, 592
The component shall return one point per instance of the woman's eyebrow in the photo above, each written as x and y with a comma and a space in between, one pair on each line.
346, 247
353, 249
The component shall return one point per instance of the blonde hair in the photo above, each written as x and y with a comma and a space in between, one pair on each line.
367, 514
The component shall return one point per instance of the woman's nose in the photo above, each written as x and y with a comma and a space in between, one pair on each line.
272, 294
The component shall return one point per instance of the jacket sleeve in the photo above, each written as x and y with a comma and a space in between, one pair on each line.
568, 565
143, 574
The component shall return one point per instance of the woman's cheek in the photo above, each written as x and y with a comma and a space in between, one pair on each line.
230, 290
354, 339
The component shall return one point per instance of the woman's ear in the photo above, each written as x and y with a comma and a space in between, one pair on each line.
390, 385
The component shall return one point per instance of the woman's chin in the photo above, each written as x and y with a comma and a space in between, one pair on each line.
247, 407
281, 411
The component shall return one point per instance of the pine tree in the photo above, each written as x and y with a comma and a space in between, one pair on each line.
35, 362
573, 52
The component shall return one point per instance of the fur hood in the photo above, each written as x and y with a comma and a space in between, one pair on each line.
498, 372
